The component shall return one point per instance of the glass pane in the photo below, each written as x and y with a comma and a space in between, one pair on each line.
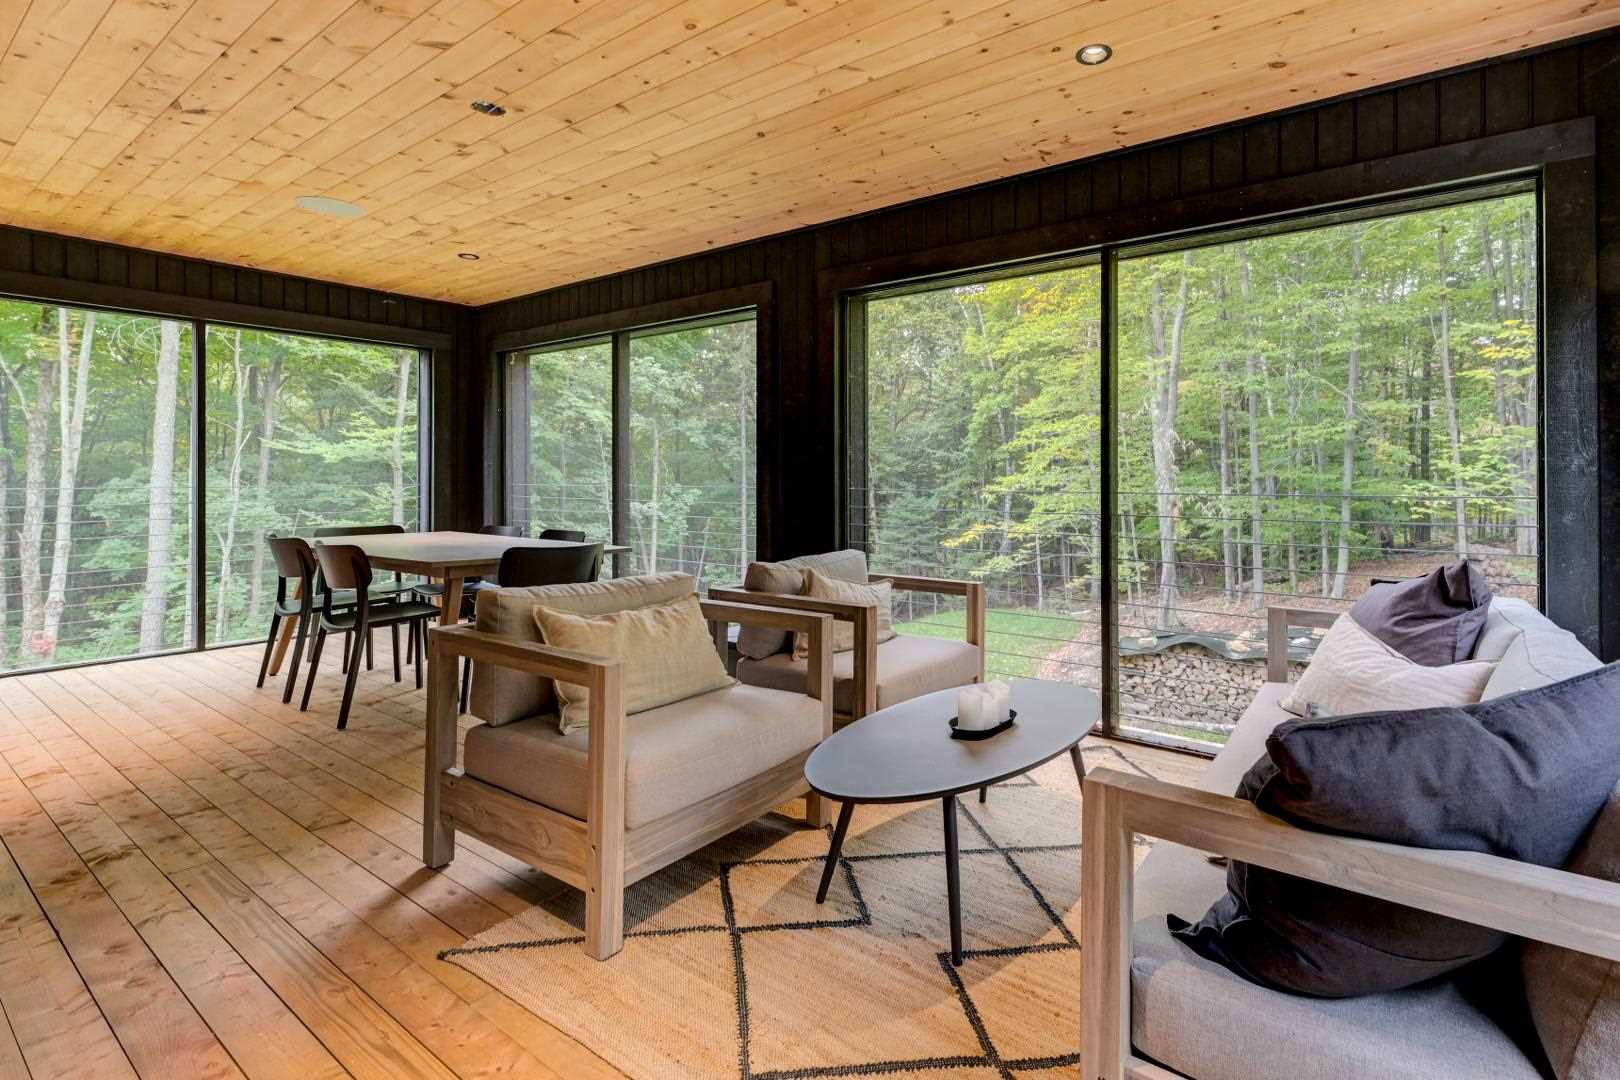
692, 413
302, 431
95, 492
1303, 414
570, 476
983, 461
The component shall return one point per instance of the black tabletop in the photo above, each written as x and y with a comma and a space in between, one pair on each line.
905, 753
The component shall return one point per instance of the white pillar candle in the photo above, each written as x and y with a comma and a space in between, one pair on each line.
1001, 694
973, 709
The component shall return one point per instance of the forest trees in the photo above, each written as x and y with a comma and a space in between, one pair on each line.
96, 466
1294, 411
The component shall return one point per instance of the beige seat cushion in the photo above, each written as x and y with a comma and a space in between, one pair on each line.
880, 594
666, 648
1203, 1021
501, 695
675, 755
1353, 672
1247, 743
787, 576
1575, 998
908, 666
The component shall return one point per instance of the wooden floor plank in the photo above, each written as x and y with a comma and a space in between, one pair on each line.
11, 1057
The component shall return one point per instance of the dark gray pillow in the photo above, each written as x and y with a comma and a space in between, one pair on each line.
1521, 776
1433, 620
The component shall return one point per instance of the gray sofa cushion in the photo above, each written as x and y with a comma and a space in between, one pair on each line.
1433, 620
1535, 651
1575, 997
674, 755
1526, 775
908, 666
1205, 1022
787, 576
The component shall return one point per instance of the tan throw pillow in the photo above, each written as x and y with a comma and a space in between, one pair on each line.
758, 642
1575, 997
667, 652
1354, 672
848, 592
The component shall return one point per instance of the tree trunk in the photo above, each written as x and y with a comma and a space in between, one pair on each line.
160, 508
1347, 472
73, 392
402, 388
657, 476
35, 459
1163, 408
261, 488
227, 539
1443, 348
1229, 572
1251, 374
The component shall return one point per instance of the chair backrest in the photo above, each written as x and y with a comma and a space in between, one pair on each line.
573, 536
522, 566
357, 530
344, 566
294, 559
501, 530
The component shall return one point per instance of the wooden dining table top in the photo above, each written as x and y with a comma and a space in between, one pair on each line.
445, 553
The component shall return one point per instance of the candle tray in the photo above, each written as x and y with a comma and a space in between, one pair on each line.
974, 736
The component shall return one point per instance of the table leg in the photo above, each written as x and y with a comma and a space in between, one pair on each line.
846, 810
287, 630
452, 602
953, 880
1079, 766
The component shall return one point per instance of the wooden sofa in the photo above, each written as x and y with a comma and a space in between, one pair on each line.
1153, 1010
605, 807
872, 675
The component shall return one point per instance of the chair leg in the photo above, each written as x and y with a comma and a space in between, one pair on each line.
314, 665
410, 643
269, 647
395, 629
369, 634
421, 647
348, 647
604, 919
354, 677
466, 677
817, 810
297, 655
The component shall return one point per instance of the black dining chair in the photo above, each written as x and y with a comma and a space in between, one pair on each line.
295, 563
345, 566
379, 589
573, 536
523, 566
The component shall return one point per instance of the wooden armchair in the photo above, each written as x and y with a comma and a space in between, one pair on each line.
599, 851
862, 689
1555, 906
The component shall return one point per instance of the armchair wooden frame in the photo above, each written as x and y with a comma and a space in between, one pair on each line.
1278, 621
864, 619
1555, 906
598, 854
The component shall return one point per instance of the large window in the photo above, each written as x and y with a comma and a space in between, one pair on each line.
95, 496
681, 490
1297, 415
302, 432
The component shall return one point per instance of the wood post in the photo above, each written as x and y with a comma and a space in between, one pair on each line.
438, 831
1107, 867
604, 816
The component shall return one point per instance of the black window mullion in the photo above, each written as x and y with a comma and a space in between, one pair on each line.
199, 486
1107, 498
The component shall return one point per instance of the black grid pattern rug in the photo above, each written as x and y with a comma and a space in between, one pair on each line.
730, 968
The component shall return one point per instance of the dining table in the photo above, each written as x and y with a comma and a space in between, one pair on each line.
440, 555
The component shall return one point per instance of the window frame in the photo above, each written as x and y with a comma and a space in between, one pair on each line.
1567, 484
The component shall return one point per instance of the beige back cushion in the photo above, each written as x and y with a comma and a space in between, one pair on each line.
1575, 998
1353, 672
758, 642
879, 593
501, 695
667, 652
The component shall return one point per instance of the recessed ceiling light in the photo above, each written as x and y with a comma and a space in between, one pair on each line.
488, 108
325, 204
470, 256
1092, 55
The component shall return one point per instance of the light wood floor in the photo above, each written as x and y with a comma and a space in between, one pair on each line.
198, 881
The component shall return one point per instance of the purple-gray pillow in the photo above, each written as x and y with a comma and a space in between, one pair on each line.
1434, 620
1520, 776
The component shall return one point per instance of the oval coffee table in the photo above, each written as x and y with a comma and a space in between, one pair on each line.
905, 753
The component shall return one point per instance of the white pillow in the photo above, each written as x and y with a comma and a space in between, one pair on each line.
1354, 672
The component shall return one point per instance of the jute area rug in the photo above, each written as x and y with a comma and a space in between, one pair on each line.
730, 968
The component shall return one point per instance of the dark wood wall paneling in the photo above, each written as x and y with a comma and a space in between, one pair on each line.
799, 395
48, 267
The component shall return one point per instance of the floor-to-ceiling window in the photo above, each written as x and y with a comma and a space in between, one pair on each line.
302, 432
95, 491
1297, 413
679, 401
980, 457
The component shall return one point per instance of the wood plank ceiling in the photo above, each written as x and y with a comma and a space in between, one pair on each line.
636, 130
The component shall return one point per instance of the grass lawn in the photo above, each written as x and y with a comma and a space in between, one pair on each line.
1019, 639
